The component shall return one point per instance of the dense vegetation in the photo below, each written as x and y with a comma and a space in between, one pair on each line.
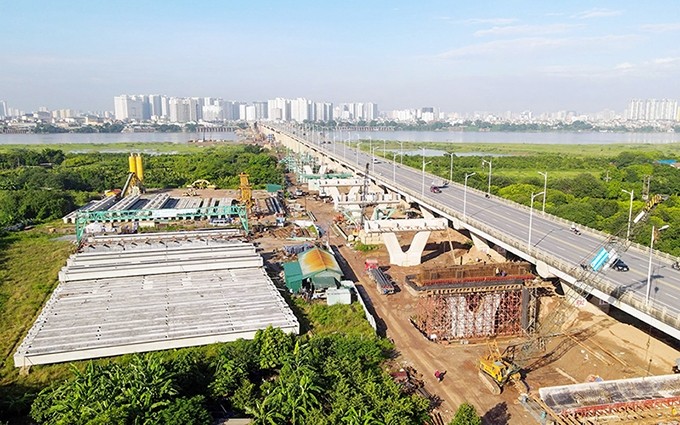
47, 184
499, 126
588, 190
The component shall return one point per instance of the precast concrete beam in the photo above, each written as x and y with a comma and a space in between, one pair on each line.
161, 268
78, 262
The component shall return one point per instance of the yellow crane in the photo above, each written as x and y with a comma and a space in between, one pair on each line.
246, 190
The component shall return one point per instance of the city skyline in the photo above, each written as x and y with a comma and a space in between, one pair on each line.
464, 57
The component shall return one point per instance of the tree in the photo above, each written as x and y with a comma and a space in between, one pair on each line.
466, 415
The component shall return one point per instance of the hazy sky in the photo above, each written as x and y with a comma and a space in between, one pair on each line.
456, 55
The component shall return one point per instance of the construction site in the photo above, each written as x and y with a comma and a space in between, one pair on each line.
520, 348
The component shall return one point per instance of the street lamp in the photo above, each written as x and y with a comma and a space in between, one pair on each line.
545, 187
651, 252
531, 218
401, 161
465, 194
484, 162
630, 211
373, 159
394, 166
358, 144
422, 190
451, 168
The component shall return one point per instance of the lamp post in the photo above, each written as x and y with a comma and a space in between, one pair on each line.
545, 187
630, 211
651, 252
384, 146
358, 144
422, 190
401, 161
488, 190
465, 194
451, 167
531, 218
373, 159
394, 166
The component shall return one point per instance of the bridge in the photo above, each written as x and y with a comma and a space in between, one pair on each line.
542, 239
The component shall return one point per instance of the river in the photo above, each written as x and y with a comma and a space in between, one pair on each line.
587, 138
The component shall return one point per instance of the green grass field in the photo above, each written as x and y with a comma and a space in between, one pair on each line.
607, 150
30, 262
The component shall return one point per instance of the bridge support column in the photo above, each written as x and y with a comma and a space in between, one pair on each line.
544, 270
482, 245
412, 257
426, 213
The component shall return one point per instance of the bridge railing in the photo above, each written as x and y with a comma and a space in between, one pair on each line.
661, 313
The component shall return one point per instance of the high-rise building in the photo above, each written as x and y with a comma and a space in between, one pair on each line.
132, 107
301, 110
179, 109
323, 111
156, 106
261, 110
278, 109
3, 109
653, 109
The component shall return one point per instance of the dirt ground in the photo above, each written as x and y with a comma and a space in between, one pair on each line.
603, 346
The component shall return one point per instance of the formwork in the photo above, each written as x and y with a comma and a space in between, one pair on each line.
479, 301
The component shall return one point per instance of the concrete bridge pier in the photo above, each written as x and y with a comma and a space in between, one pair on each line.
544, 270
389, 228
482, 246
412, 257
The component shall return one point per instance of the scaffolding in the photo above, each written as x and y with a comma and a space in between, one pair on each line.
476, 302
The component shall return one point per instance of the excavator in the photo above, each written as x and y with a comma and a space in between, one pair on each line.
497, 369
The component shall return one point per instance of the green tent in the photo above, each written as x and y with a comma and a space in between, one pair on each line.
293, 276
273, 188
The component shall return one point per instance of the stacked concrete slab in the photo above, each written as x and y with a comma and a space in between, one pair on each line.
125, 294
586, 402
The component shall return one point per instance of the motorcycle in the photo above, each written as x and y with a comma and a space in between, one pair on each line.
676, 265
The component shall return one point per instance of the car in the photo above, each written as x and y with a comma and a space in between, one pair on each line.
435, 189
620, 266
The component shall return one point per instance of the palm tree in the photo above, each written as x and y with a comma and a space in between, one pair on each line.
264, 413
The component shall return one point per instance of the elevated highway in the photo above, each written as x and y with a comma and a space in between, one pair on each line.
552, 246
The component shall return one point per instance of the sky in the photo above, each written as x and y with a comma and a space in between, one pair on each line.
459, 56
